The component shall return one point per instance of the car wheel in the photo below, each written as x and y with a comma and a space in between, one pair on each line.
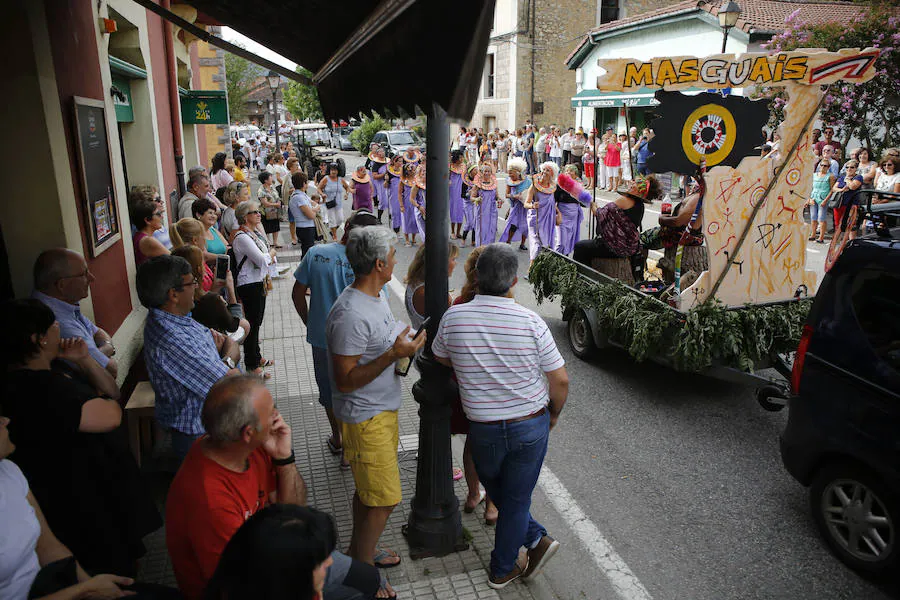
858, 517
771, 398
581, 337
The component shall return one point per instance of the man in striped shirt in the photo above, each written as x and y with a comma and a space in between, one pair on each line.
501, 353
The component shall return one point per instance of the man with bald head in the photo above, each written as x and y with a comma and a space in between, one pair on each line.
61, 281
243, 463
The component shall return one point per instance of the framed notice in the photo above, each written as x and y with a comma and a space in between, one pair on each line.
95, 168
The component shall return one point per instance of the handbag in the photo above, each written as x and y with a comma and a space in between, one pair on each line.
330, 203
834, 200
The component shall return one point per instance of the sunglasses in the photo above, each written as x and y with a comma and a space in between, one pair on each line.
255, 212
888, 164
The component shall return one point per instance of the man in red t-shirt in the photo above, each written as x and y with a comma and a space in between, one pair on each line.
243, 463
828, 141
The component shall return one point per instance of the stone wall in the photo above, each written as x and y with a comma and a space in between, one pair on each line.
212, 77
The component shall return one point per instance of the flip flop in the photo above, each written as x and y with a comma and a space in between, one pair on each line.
334, 449
457, 473
260, 373
345, 466
381, 554
266, 363
470, 509
382, 583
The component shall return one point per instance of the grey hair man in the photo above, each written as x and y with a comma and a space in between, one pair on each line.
62, 280
184, 358
364, 340
501, 363
197, 187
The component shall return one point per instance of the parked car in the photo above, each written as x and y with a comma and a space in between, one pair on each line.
244, 132
398, 140
340, 138
842, 438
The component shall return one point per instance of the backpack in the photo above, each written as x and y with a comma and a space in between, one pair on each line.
233, 264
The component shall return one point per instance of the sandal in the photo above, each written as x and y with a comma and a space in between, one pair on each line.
470, 508
382, 585
260, 373
381, 555
457, 473
266, 363
333, 448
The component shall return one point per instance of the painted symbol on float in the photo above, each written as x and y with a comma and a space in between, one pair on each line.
767, 233
756, 195
784, 244
726, 189
727, 214
793, 176
708, 134
725, 245
785, 208
789, 267
713, 228
740, 265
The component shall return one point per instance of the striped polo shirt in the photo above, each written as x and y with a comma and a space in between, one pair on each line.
500, 351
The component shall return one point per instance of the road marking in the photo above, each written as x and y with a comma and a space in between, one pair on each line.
623, 581
813, 251
626, 585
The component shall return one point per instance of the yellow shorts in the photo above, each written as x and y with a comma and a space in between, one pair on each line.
371, 449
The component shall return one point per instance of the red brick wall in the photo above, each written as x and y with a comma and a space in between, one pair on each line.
76, 63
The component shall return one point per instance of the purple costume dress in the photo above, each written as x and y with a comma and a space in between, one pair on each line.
362, 197
570, 228
541, 223
380, 193
468, 213
392, 192
456, 200
420, 218
518, 216
486, 218
409, 213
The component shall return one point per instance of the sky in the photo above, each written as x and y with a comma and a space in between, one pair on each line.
234, 37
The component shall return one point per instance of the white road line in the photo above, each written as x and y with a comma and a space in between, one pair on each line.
626, 585
813, 251
623, 581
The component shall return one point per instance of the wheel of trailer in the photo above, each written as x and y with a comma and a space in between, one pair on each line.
581, 337
766, 392
342, 167
858, 515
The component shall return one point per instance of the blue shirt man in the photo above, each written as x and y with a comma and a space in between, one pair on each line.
61, 281
324, 273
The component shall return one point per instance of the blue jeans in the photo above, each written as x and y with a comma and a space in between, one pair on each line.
508, 459
320, 368
182, 442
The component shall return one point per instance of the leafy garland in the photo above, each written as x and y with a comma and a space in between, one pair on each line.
647, 327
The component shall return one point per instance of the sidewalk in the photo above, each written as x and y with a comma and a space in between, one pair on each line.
461, 575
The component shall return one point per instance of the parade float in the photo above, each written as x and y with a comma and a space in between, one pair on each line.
745, 309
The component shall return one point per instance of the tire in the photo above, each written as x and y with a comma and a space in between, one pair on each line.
838, 497
580, 334
342, 167
764, 395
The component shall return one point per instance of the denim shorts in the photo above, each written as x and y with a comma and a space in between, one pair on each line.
817, 212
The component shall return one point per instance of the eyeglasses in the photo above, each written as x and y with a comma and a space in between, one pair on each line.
255, 212
86, 273
887, 164
158, 214
180, 287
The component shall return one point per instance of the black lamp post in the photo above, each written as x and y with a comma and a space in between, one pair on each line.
435, 527
274, 83
728, 14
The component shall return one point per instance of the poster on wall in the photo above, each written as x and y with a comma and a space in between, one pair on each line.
95, 168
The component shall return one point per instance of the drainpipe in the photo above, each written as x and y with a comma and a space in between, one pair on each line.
533, 43
174, 100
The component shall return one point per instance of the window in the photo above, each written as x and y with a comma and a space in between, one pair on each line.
404, 138
609, 11
538, 108
876, 302
489, 76
380, 138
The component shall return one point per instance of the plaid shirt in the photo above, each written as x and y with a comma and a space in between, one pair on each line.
183, 364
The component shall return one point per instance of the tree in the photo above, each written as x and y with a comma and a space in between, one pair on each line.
868, 111
302, 100
362, 136
240, 74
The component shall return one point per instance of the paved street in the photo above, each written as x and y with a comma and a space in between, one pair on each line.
682, 477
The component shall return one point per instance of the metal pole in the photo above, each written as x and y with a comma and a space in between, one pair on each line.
275, 118
725, 38
435, 527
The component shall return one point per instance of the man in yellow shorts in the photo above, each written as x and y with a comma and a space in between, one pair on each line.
364, 340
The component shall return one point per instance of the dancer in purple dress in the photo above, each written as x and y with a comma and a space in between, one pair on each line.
417, 197
484, 194
407, 183
572, 215
392, 178
412, 156
542, 211
362, 189
378, 169
457, 212
516, 188
468, 203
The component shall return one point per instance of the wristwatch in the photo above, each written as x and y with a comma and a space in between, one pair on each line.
228, 362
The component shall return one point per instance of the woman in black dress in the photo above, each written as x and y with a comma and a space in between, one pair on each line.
64, 414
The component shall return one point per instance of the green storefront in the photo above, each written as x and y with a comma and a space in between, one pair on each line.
609, 107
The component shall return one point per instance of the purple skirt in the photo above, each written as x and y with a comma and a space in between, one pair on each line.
409, 214
518, 219
468, 214
570, 228
394, 203
486, 218
457, 212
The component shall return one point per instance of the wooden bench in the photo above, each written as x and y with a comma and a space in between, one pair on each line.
139, 415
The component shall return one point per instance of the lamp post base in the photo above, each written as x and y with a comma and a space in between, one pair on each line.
435, 525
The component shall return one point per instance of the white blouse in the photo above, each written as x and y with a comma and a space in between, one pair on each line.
255, 248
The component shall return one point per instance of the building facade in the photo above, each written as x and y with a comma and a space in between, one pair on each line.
525, 75
100, 102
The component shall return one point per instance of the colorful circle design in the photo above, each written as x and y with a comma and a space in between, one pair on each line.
756, 195
708, 133
710, 230
793, 176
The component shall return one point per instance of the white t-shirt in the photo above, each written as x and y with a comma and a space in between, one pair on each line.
280, 173
886, 183
18, 535
500, 351
567, 141
555, 150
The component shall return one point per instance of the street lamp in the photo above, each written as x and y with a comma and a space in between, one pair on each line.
729, 13
274, 83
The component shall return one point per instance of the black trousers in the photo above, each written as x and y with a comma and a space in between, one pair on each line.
254, 300
587, 250
307, 238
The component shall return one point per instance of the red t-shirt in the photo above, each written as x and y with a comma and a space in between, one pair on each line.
613, 158
822, 143
206, 504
